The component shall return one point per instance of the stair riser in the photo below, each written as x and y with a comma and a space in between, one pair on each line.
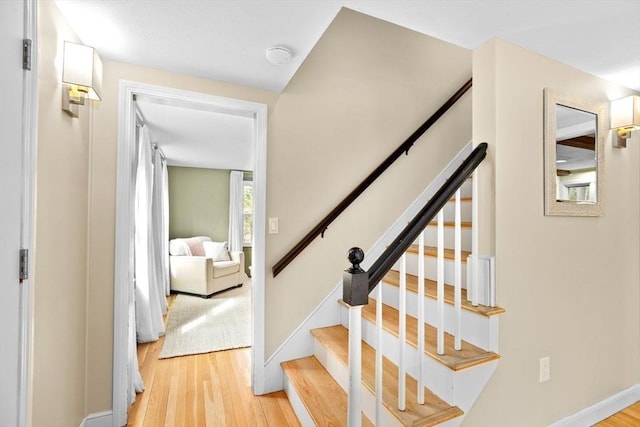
431, 270
431, 237
467, 189
475, 327
465, 211
340, 374
296, 404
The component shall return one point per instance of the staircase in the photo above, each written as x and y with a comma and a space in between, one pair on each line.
451, 380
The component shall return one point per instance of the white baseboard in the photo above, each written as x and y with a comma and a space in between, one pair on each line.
601, 410
100, 419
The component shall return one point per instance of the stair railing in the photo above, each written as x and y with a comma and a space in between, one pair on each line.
359, 284
322, 226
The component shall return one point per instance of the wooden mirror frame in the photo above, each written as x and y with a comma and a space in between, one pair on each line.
570, 208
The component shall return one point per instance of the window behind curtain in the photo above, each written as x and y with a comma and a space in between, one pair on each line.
247, 211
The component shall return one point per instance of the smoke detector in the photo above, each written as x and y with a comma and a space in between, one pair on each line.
278, 55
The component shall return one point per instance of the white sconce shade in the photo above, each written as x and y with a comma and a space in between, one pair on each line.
625, 118
82, 72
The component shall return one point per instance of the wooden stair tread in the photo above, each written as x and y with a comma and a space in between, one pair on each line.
469, 355
322, 396
430, 290
463, 224
462, 199
434, 411
432, 251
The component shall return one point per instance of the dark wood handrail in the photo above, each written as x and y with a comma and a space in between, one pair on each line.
411, 232
322, 226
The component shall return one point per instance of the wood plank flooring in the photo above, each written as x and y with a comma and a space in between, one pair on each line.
212, 389
628, 417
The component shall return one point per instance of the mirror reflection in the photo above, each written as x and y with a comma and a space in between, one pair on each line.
576, 154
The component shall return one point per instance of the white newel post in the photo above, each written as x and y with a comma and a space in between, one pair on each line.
355, 293
354, 406
379, 354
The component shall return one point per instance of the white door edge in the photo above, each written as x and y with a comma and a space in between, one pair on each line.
124, 226
29, 137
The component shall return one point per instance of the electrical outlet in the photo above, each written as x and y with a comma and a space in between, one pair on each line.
545, 369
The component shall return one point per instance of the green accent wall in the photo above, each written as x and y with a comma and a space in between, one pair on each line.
248, 251
198, 203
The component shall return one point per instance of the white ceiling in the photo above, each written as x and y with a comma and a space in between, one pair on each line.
191, 135
226, 40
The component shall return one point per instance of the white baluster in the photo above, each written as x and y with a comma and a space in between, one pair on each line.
474, 243
378, 420
421, 319
402, 329
458, 274
440, 287
354, 408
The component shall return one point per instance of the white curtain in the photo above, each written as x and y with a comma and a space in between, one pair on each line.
159, 235
149, 291
236, 223
165, 218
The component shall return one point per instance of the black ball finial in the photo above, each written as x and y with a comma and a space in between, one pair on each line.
355, 256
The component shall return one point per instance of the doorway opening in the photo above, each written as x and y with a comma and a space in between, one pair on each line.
124, 265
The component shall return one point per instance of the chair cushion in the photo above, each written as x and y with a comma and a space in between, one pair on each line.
225, 268
218, 251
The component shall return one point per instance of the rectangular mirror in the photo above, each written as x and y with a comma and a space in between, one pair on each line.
574, 134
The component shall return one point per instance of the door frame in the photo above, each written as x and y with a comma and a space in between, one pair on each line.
123, 269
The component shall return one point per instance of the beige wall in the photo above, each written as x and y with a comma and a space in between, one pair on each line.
569, 285
102, 209
60, 261
365, 87
198, 203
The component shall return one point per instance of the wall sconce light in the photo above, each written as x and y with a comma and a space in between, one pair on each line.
625, 118
81, 75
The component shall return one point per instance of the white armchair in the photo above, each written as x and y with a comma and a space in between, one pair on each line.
196, 272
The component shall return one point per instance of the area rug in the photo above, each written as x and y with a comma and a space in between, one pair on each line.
197, 325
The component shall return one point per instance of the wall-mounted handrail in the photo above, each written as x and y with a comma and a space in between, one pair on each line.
322, 226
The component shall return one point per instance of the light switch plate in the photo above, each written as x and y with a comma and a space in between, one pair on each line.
273, 225
545, 369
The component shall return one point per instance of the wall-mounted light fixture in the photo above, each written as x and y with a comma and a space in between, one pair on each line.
625, 118
81, 75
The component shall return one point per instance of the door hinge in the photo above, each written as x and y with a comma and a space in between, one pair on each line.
26, 54
24, 264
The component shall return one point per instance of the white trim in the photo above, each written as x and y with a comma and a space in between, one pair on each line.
297, 405
122, 275
29, 137
300, 342
601, 410
100, 419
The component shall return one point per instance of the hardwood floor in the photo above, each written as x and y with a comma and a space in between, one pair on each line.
212, 389
628, 417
